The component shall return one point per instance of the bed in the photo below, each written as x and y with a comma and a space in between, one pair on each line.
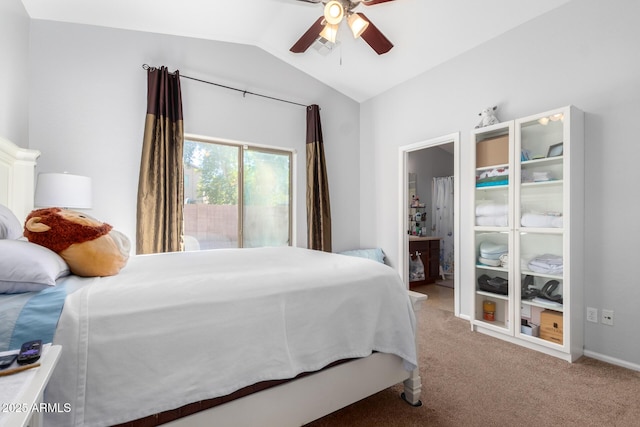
176, 330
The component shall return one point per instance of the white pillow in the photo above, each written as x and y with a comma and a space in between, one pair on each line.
27, 267
10, 227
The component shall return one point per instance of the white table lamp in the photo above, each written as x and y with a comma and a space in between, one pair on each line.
63, 190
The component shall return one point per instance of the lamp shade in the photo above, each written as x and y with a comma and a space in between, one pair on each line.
330, 32
63, 190
357, 24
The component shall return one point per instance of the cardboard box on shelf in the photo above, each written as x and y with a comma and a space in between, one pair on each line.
551, 328
492, 151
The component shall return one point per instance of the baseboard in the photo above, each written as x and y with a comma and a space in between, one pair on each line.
593, 354
612, 360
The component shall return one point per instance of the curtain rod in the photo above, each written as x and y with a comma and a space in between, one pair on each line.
244, 92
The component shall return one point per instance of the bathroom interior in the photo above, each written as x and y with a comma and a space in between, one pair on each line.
431, 223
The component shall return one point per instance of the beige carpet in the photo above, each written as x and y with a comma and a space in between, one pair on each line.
470, 379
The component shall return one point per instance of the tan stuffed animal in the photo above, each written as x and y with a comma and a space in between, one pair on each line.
90, 247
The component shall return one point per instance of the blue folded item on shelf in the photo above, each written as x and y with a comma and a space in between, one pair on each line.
492, 183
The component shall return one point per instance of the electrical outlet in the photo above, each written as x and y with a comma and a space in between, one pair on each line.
592, 314
607, 317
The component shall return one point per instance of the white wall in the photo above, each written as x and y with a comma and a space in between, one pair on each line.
14, 72
585, 54
88, 104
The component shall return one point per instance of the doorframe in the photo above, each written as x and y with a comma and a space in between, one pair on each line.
403, 211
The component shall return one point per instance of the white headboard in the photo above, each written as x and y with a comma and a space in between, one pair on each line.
17, 177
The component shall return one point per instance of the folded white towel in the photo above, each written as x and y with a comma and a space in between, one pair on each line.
529, 176
542, 176
547, 263
546, 270
491, 209
541, 220
548, 259
493, 221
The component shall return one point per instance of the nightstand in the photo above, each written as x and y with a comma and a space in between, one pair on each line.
18, 412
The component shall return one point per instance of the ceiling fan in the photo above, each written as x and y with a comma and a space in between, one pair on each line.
325, 29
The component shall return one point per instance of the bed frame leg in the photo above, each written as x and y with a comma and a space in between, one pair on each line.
412, 389
413, 384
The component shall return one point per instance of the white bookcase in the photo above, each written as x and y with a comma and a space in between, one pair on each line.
529, 209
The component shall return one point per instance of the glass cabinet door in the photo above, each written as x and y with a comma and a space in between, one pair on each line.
493, 203
540, 238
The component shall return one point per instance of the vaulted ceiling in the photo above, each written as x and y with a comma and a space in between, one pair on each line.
425, 33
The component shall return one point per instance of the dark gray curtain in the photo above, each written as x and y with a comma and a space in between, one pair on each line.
160, 187
318, 208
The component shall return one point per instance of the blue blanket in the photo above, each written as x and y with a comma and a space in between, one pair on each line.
30, 316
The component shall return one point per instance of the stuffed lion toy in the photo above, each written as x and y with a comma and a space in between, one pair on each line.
89, 247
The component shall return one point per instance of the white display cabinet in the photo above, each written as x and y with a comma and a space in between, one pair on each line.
528, 231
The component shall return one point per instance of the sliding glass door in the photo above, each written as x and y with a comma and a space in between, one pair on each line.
266, 195
236, 195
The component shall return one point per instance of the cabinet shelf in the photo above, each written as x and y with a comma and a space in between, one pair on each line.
492, 187
541, 342
543, 161
536, 230
492, 295
552, 182
544, 275
489, 229
550, 306
491, 268
488, 168
493, 324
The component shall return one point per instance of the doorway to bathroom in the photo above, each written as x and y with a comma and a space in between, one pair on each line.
430, 220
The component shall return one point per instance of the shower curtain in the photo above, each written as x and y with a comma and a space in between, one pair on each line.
442, 219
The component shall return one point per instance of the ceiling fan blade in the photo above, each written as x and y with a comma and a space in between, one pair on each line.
320, 1
369, 2
374, 37
308, 37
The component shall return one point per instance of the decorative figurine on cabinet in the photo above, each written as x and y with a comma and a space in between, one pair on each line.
488, 117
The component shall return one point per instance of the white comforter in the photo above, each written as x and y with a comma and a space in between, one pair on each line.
171, 329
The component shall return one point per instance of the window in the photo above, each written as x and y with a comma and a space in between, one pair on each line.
236, 195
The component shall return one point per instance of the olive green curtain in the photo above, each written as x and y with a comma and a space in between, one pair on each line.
160, 187
318, 207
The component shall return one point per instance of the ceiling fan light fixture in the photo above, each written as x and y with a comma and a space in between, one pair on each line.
357, 24
330, 32
323, 32
333, 12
